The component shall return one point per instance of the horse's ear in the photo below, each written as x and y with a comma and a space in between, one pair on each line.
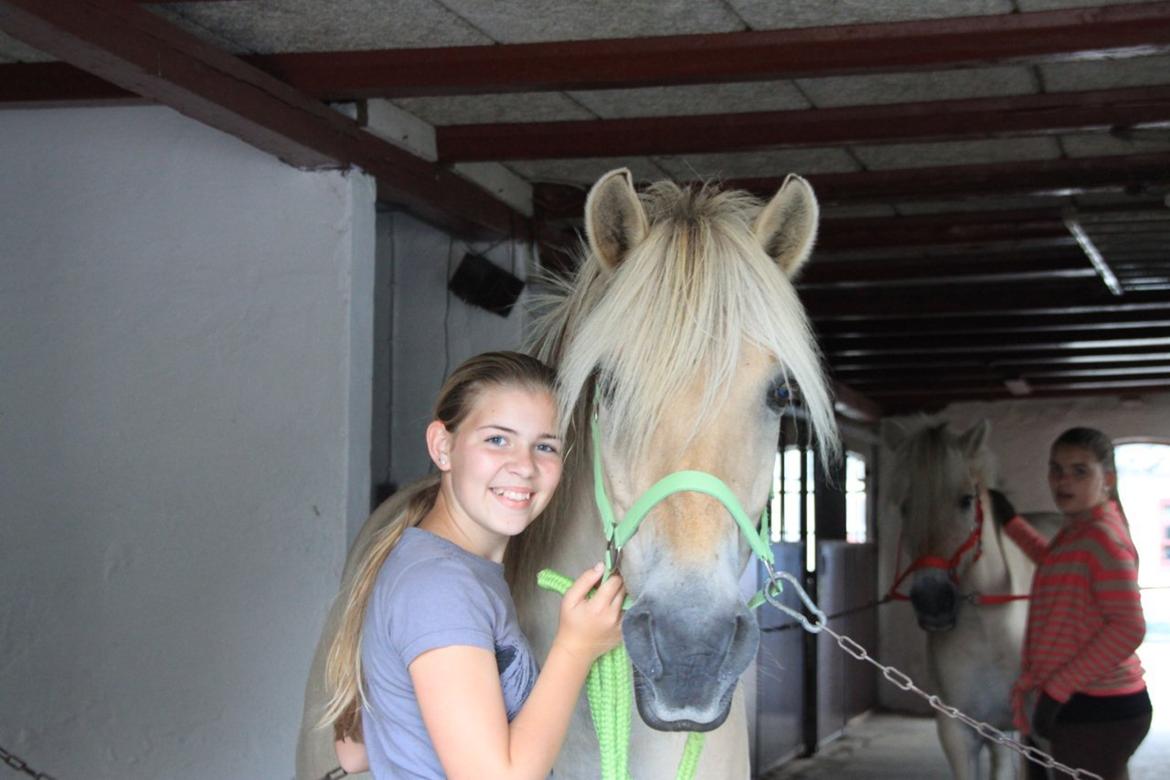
893, 434
615, 221
787, 226
974, 438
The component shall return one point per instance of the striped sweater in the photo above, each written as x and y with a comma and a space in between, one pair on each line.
1085, 617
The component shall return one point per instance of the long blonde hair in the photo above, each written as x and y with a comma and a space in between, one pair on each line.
456, 399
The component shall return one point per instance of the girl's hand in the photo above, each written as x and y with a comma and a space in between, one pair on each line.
591, 625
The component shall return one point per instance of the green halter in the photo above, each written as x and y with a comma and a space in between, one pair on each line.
617, 534
610, 683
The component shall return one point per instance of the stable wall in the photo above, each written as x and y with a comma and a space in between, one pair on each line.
185, 416
1021, 433
432, 330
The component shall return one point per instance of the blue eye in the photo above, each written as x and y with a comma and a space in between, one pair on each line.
497, 440
549, 448
778, 396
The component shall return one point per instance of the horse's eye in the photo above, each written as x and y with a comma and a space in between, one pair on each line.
966, 501
778, 396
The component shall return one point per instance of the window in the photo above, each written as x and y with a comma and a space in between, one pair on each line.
786, 496
856, 521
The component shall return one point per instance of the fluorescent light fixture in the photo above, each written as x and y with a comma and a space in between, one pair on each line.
1095, 257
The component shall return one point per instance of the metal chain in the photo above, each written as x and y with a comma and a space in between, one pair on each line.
20, 766
902, 680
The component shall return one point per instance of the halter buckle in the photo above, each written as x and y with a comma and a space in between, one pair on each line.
613, 557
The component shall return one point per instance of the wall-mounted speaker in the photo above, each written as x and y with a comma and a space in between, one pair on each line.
482, 283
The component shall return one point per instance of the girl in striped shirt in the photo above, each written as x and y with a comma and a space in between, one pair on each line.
1082, 689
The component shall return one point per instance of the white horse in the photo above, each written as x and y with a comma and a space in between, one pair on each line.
680, 333
680, 336
956, 561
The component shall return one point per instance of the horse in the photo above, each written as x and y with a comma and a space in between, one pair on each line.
678, 342
965, 578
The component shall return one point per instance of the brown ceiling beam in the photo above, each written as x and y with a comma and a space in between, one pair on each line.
1046, 388
1028, 38
1012, 307
1140, 355
929, 342
1029, 177
1082, 33
902, 122
1006, 276
49, 84
925, 400
141, 52
1156, 315
941, 229
1059, 295
913, 267
883, 380
1034, 177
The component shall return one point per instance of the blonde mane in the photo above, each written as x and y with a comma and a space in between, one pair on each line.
682, 303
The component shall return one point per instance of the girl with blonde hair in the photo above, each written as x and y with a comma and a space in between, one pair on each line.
429, 651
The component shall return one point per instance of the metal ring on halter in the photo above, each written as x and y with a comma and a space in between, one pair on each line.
613, 557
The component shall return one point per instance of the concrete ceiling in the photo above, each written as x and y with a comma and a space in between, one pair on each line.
975, 202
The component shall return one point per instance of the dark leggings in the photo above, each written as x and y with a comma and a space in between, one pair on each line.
1102, 747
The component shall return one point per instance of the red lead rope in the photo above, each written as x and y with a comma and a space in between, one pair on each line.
951, 565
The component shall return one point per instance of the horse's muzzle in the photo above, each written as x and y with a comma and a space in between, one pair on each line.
687, 663
936, 602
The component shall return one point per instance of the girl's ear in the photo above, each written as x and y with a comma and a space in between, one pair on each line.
439, 445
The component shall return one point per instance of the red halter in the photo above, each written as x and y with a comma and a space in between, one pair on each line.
951, 565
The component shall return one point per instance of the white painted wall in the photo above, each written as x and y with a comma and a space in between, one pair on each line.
185, 367
1021, 433
433, 330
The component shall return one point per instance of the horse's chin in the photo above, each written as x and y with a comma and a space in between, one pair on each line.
683, 720
935, 625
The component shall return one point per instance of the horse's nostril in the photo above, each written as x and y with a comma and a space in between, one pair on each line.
745, 641
638, 633
936, 599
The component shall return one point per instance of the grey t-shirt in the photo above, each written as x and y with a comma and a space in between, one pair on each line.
432, 593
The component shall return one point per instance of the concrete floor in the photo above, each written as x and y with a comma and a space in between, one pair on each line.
879, 746
884, 746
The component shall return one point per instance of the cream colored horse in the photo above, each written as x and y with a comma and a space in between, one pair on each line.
681, 333
973, 650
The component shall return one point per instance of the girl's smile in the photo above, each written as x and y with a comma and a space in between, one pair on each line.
500, 468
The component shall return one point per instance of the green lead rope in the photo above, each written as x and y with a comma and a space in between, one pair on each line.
610, 689
610, 685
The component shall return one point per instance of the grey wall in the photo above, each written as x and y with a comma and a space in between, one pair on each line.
185, 368
433, 330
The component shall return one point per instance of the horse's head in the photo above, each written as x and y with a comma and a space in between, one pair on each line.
681, 336
937, 476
